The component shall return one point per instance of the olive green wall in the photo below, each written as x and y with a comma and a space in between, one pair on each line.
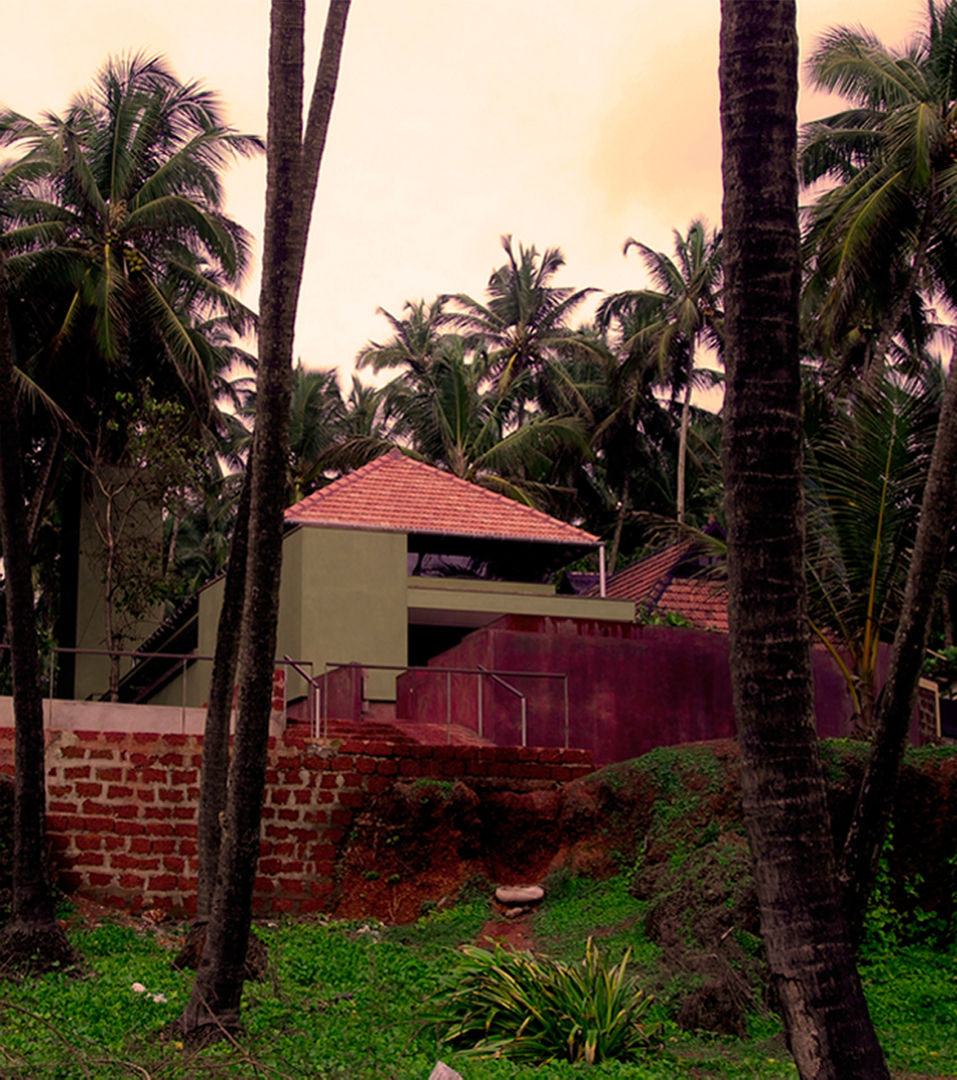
495, 598
349, 602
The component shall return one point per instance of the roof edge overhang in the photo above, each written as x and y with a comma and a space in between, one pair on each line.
593, 542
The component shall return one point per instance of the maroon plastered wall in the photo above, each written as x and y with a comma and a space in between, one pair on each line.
630, 688
121, 809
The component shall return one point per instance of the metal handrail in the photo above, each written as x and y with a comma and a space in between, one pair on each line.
183, 658
315, 696
496, 673
319, 702
523, 702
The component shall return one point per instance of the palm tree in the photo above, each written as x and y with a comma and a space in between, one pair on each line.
866, 467
678, 314
450, 419
121, 263
524, 326
445, 406
883, 245
415, 338
119, 252
632, 430
364, 412
881, 236
293, 160
317, 418
196, 542
809, 949
33, 938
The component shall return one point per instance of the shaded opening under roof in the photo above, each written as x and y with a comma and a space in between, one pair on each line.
438, 555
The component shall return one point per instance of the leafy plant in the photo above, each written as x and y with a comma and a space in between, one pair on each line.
943, 667
537, 1010
895, 915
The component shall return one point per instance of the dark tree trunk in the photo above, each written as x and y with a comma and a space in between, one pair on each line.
33, 938
292, 165
214, 775
868, 827
809, 951
624, 507
215, 770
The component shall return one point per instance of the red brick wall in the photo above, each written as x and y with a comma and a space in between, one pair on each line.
121, 808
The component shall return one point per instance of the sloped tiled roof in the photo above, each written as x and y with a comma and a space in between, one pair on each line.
651, 582
637, 581
395, 493
703, 603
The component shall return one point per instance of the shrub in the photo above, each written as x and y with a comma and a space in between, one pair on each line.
536, 1010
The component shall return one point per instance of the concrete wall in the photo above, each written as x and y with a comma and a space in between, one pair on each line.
103, 716
630, 687
463, 602
346, 597
121, 809
342, 597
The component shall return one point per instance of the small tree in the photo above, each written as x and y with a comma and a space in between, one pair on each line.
141, 467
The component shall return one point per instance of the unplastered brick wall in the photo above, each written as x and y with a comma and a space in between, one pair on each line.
121, 808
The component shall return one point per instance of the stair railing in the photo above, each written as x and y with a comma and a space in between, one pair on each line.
496, 675
522, 700
314, 697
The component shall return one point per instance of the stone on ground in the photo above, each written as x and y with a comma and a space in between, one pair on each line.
519, 894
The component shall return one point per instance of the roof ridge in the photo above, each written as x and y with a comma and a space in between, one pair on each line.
345, 480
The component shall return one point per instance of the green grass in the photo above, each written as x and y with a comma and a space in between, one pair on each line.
576, 907
912, 994
346, 1001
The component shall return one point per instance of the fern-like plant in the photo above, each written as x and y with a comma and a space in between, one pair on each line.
537, 1010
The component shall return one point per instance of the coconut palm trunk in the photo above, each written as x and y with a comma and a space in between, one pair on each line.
809, 950
215, 769
33, 939
292, 167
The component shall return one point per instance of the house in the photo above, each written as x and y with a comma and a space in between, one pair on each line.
631, 686
682, 579
401, 566
388, 567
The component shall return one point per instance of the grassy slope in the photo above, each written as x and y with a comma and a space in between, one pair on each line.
345, 1000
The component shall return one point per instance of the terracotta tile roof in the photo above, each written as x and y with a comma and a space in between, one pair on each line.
652, 582
395, 493
637, 581
703, 603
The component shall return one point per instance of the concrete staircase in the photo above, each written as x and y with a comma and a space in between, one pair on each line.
399, 732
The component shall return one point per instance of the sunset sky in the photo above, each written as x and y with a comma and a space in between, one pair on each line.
569, 123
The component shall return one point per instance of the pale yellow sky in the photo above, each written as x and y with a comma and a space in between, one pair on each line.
569, 123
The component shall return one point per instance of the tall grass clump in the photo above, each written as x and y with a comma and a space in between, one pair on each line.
535, 1010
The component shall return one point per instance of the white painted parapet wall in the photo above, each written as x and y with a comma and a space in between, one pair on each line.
60, 715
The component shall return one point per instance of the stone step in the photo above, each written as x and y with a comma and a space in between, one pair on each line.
352, 729
403, 732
